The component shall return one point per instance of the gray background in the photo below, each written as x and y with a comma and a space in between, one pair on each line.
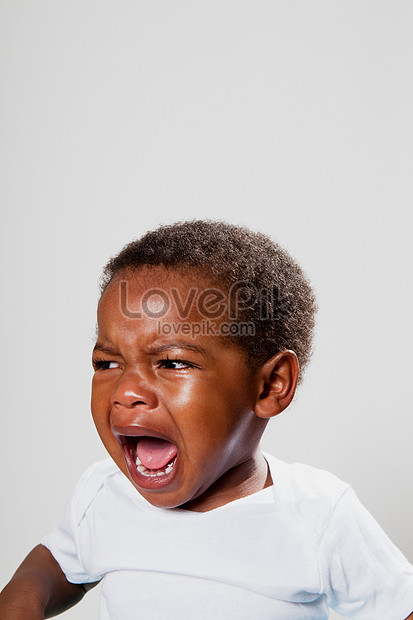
291, 117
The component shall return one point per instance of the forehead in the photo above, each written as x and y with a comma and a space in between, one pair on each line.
157, 304
157, 291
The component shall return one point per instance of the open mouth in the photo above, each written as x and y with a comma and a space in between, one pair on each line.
151, 460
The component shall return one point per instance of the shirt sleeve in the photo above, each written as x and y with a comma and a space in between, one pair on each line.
364, 574
63, 541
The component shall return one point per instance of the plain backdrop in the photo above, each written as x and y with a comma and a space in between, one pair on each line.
292, 117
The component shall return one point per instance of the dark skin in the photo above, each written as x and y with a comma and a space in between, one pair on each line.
210, 403
196, 391
39, 589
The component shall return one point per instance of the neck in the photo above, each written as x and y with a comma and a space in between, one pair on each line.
248, 477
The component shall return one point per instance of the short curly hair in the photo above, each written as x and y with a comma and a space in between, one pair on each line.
227, 254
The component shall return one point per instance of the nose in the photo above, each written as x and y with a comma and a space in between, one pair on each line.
131, 392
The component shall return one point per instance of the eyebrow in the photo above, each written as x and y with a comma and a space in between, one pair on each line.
180, 345
105, 348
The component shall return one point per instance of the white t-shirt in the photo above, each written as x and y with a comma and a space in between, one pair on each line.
289, 552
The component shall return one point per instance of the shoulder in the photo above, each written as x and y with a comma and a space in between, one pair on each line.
90, 484
312, 493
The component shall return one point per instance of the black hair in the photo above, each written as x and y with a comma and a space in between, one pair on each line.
234, 256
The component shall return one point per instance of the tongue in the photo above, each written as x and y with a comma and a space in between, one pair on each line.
155, 453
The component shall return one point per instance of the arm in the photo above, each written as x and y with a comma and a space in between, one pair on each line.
39, 588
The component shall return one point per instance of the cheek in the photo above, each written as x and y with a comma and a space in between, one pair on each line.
100, 403
210, 421
100, 408
183, 395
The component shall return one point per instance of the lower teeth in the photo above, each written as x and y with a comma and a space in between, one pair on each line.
150, 473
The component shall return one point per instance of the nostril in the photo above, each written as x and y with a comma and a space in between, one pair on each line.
128, 403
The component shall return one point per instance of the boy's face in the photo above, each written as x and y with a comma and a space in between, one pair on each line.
182, 403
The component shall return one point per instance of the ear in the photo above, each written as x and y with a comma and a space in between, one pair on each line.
277, 382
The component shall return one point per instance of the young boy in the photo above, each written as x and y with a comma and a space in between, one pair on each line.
202, 329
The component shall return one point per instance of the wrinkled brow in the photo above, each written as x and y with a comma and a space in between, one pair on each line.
104, 348
178, 345
155, 348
